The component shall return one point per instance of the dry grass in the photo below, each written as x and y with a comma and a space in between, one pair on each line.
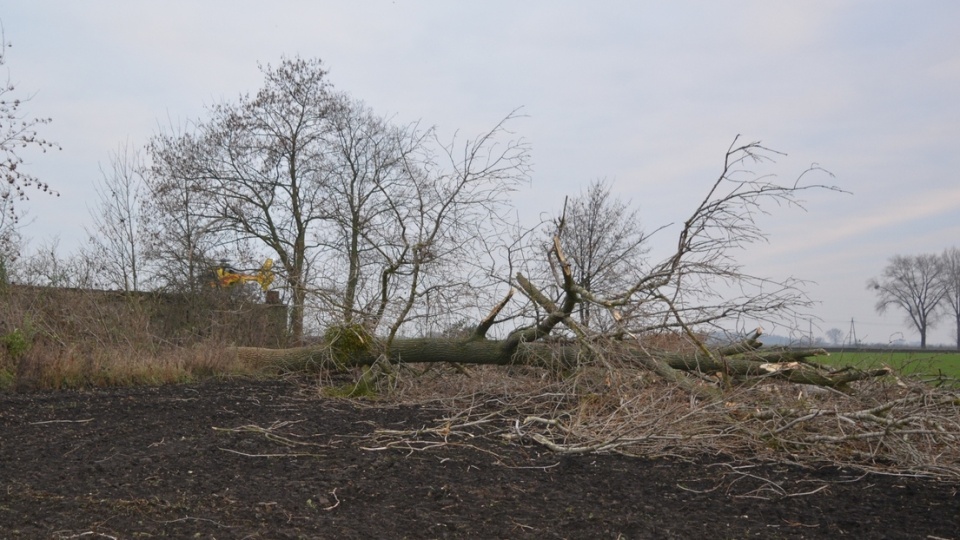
52, 367
56, 338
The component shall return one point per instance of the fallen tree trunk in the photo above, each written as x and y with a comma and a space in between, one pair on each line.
787, 365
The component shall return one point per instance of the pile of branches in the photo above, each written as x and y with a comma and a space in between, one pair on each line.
891, 425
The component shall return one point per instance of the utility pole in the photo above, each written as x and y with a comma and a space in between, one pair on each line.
852, 334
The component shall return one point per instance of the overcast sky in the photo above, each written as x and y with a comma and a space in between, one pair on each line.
648, 95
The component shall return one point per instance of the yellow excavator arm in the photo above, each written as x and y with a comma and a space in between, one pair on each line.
228, 277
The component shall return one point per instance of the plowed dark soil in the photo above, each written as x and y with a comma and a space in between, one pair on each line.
242, 459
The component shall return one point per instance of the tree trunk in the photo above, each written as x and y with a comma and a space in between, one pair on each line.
790, 365
958, 329
296, 312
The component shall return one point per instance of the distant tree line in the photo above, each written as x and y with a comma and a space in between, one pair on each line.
926, 288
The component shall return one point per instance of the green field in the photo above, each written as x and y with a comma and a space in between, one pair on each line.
927, 363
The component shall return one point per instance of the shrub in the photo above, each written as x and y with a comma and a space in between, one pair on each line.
16, 343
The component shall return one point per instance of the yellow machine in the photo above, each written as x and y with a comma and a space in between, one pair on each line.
228, 277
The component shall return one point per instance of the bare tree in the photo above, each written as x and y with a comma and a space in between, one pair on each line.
259, 168
181, 243
17, 132
835, 335
914, 285
45, 266
117, 239
604, 243
701, 284
950, 276
10, 238
455, 201
365, 190
358, 212
407, 213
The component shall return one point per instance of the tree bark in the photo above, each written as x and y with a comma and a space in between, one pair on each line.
789, 365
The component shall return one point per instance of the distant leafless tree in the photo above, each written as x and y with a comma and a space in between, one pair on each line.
701, 284
912, 284
604, 242
835, 335
950, 276
17, 132
116, 241
46, 266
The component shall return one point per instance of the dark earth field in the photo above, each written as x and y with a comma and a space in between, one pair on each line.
270, 459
